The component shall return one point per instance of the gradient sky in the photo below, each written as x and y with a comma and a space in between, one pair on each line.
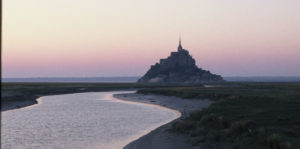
81, 38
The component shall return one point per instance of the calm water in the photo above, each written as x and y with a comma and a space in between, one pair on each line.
83, 120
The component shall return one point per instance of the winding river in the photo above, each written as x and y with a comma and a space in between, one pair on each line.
93, 120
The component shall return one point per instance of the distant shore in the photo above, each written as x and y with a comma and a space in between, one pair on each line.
22, 94
162, 138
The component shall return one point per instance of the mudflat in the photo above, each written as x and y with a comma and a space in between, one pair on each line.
162, 137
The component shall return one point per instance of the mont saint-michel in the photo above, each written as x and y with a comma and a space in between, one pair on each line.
179, 67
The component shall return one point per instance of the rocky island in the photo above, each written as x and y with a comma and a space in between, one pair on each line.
179, 67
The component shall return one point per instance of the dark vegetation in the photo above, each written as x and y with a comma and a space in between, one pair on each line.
243, 116
17, 95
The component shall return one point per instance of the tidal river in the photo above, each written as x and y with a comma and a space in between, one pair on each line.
80, 121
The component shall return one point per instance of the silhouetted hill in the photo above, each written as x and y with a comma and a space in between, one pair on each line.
179, 67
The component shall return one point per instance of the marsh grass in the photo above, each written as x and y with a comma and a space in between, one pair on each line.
243, 115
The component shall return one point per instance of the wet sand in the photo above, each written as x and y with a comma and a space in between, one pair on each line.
162, 137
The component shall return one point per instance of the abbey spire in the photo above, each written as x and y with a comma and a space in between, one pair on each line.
179, 46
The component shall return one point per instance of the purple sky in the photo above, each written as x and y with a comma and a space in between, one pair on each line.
74, 38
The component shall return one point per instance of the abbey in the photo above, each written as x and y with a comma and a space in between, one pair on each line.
179, 67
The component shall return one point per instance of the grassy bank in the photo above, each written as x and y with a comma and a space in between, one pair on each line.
244, 115
17, 95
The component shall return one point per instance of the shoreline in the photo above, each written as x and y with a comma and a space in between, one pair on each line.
158, 136
162, 137
31, 100
148, 130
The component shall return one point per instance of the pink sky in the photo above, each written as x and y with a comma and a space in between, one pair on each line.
76, 38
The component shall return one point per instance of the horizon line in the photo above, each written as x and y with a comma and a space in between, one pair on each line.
136, 76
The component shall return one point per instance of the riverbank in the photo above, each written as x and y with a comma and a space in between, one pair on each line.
162, 137
244, 115
18, 95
